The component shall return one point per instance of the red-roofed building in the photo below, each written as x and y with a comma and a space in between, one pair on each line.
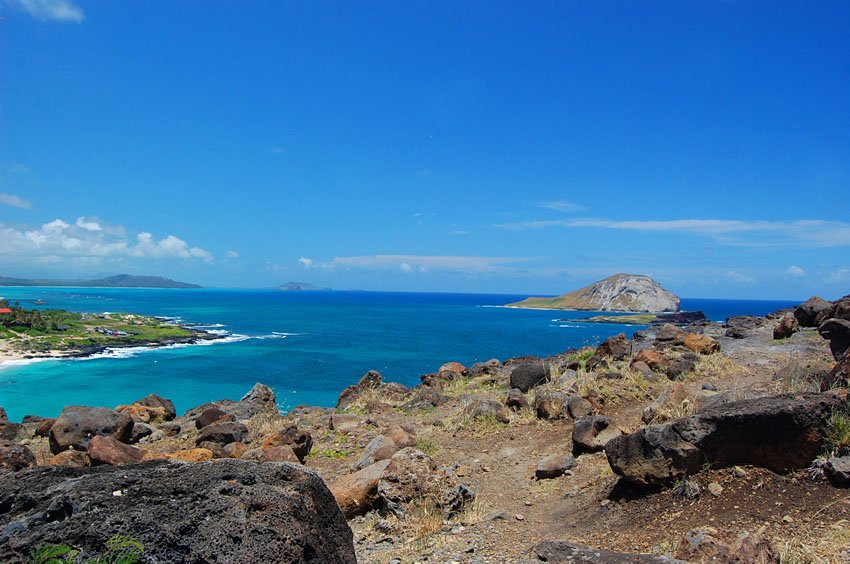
5, 310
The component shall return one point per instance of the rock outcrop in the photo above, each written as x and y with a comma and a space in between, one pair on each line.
621, 292
218, 511
780, 433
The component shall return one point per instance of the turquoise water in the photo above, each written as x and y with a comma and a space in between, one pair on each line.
307, 346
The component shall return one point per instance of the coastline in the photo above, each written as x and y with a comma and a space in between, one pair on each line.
10, 357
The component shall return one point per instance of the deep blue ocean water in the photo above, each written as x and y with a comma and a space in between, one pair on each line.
307, 346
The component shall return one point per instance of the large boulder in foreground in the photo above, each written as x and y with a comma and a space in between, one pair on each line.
217, 511
780, 433
77, 424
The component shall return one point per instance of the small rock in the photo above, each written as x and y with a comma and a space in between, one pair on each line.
838, 470
498, 515
516, 400
577, 407
463, 471
591, 434
787, 519
715, 489
738, 472
519, 517
553, 466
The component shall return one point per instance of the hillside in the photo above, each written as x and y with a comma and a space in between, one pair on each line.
119, 281
620, 292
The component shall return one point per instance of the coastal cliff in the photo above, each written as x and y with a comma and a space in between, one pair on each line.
620, 292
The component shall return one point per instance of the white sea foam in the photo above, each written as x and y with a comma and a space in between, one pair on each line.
128, 352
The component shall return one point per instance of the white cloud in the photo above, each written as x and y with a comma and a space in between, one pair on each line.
232, 255
839, 276
306, 262
424, 263
795, 271
799, 233
90, 240
50, 10
562, 206
14, 201
739, 277
88, 225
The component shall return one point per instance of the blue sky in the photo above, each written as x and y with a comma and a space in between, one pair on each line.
475, 146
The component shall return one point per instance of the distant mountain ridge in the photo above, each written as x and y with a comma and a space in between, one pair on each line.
299, 286
620, 292
119, 281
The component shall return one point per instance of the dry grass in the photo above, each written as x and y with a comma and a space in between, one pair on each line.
264, 424
716, 366
832, 546
795, 377
633, 386
369, 395
40, 447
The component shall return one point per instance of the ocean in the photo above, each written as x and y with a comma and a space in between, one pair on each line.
307, 346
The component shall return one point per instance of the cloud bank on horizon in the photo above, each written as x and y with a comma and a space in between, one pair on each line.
88, 242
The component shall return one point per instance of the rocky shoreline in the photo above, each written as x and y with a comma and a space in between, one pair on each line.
708, 442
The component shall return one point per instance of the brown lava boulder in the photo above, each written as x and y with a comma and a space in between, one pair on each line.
77, 424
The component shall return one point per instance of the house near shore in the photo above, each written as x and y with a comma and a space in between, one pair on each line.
5, 310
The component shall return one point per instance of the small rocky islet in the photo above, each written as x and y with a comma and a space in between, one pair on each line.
708, 442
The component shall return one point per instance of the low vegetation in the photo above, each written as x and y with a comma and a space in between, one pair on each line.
31, 330
120, 549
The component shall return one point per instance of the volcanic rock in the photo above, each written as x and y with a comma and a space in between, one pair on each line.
592, 433
155, 401
550, 405
106, 450
16, 457
222, 433
528, 375
77, 424
813, 312
299, 440
554, 465
780, 433
837, 331
516, 400
786, 327
218, 511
